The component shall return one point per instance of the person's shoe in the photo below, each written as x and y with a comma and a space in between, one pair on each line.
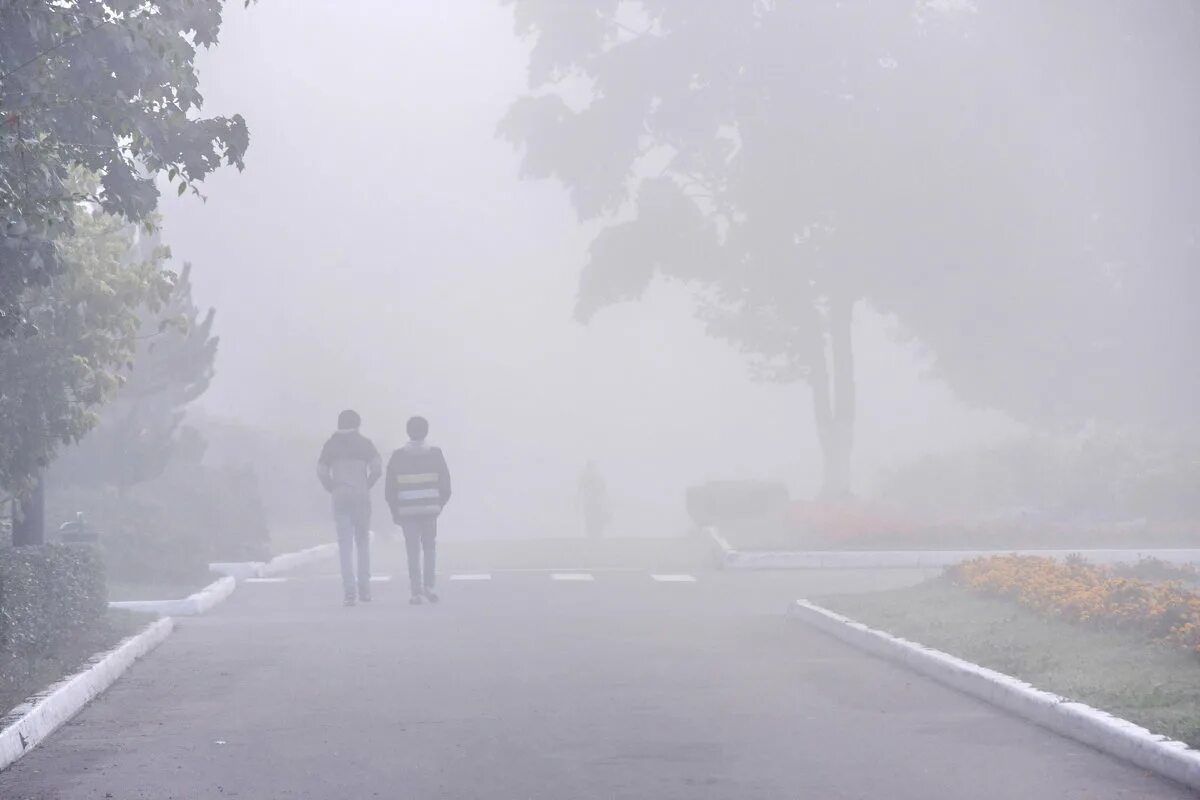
415, 600
349, 602
364, 597
431, 596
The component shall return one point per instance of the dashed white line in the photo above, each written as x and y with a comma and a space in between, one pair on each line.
380, 578
674, 578
572, 576
266, 580
472, 576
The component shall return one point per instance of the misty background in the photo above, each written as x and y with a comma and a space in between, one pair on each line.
380, 252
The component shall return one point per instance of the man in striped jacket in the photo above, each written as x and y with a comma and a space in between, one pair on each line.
417, 487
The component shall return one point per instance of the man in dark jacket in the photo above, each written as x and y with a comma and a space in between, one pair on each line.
348, 467
417, 487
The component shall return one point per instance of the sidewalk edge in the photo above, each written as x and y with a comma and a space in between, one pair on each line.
31, 722
189, 606
1083, 723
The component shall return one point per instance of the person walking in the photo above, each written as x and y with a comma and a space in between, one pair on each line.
348, 467
417, 488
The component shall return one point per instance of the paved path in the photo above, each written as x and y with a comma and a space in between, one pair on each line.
523, 687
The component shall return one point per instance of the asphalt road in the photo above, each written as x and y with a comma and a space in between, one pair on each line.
524, 687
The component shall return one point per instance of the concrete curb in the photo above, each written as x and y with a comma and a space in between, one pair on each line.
39, 716
724, 555
730, 558
238, 570
189, 606
241, 570
1103, 731
300, 558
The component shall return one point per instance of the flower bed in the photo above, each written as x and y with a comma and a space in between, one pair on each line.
1081, 592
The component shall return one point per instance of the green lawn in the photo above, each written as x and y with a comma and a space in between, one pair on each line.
1154, 685
21, 677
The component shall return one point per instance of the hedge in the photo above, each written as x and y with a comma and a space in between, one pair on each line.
47, 593
722, 502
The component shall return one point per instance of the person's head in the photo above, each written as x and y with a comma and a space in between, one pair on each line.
418, 429
349, 420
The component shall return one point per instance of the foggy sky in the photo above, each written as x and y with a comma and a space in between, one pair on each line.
379, 252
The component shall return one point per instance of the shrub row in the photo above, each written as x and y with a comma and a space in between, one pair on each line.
170, 529
721, 502
47, 593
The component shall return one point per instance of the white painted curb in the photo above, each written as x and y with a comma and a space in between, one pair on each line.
730, 558
300, 558
238, 570
189, 606
1112, 735
726, 557
241, 570
35, 719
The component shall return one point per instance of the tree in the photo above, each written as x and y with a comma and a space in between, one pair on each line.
138, 429
729, 130
110, 86
88, 321
793, 160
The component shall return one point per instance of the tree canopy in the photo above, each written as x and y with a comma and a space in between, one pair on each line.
793, 159
88, 321
109, 86
137, 432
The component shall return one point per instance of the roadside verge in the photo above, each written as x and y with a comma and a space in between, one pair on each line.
39, 716
1105, 732
728, 557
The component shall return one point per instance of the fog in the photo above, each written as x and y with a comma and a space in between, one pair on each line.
380, 252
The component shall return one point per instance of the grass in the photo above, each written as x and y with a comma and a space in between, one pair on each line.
1153, 685
23, 676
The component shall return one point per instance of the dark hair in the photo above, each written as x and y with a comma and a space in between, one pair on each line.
418, 429
349, 420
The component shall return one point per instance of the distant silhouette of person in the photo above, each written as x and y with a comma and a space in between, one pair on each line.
348, 467
593, 497
417, 488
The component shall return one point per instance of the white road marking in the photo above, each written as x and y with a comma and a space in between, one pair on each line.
472, 576
380, 578
266, 580
674, 578
572, 576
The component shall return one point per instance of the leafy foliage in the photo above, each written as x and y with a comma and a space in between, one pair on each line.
138, 429
792, 159
47, 592
109, 86
88, 321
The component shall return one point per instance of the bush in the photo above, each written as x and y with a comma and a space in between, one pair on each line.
723, 502
168, 530
47, 594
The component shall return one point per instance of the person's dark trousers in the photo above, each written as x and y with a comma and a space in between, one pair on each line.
354, 536
420, 540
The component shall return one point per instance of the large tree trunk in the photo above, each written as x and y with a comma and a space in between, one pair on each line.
835, 400
29, 519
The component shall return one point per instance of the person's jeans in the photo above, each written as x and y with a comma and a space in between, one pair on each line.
354, 535
420, 538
